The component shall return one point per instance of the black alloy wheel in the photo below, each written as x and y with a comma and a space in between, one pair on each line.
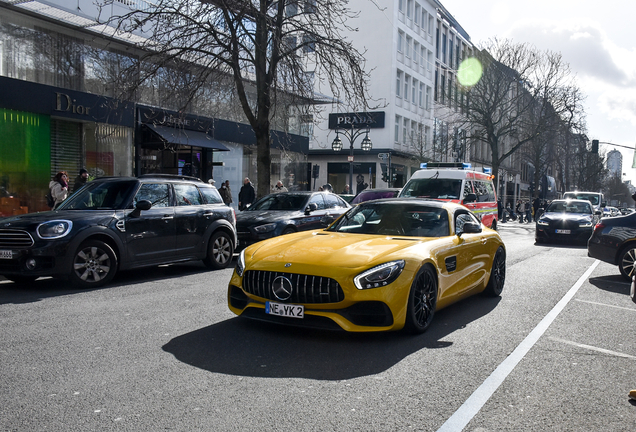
288, 230
422, 301
94, 264
497, 274
626, 258
220, 251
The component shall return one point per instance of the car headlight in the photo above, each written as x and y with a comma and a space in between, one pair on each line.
54, 229
240, 263
265, 228
543, 222
379, 276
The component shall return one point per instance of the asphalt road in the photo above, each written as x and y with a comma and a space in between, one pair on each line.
159, 350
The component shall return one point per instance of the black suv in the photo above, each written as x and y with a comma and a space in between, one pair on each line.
120, 223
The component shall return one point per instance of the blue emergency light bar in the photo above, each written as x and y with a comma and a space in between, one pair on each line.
457, 165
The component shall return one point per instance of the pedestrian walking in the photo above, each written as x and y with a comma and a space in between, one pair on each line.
528, 211
247, 194
226, 192
521, 209
58, 188
80, 180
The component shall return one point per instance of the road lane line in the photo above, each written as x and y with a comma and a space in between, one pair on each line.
593, 348
605, 304
476, 401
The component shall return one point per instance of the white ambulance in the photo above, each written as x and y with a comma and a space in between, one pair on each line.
457, 183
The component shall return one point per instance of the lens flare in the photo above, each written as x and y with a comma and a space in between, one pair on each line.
469, 72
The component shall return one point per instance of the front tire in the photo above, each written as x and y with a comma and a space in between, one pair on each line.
220, 251
497, 274
422, 301
94, 264
626, 259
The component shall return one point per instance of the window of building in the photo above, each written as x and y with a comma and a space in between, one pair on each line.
309, 43
409, 44
310, 6
420, 98
398, 84
400, 46
407, 82
428, 97
405, 128
416, 52
398, 120
414, 86
416, 15
409, 8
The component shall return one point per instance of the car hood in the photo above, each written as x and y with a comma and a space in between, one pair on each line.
31, 220
265, 216
329, 249
556, 216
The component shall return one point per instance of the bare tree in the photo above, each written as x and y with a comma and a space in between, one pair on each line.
516, 99
275, 54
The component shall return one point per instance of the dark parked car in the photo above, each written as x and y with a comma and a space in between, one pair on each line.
568, 220
372, 194
120, 223
614, 241
287, 212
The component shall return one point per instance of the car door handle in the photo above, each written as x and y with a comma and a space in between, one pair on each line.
167, 217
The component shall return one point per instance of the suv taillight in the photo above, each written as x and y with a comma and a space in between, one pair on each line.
599, 227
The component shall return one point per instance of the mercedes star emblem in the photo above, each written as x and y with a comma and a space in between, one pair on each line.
282, 288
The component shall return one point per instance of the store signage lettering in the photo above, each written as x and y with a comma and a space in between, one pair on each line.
175, 121
359, 120
66, 104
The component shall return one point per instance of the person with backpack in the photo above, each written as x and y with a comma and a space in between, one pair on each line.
58, 188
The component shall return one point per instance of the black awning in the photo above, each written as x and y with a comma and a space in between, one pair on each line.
187, 137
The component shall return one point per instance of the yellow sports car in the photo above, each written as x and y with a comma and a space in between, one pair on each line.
384, 265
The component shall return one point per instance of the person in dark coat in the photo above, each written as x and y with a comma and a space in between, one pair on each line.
80, 180
226, 192
247, 194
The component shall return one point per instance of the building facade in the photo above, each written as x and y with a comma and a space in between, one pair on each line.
60, 110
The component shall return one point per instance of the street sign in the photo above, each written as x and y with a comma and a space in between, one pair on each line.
383, 155
350, 158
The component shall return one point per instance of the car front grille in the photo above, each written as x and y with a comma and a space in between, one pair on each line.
14, 239
305, 288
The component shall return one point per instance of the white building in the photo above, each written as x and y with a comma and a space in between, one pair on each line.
413, 50
615, 163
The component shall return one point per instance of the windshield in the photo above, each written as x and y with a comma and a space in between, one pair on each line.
109, 195
569, 207
594, 198
410, 220
433, 188
280, 202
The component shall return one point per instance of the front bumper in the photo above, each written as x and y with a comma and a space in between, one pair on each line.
42, 259
550, 234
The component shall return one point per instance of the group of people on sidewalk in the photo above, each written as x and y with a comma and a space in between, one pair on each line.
247, 194
524, 211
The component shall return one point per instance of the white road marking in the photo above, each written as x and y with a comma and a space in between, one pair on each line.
478, 399
605, 304
593, 348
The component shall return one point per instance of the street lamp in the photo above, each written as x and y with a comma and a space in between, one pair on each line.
352, 134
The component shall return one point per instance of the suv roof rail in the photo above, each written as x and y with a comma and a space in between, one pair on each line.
170, 176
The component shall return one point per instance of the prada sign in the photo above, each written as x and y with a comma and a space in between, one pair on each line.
361, 120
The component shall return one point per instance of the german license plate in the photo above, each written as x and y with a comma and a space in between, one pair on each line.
560, 231
285, 310
6, 254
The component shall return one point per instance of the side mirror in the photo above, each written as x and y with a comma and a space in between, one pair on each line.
141, 205
327, 220
470, 228
598, 212
310, 208
471, 197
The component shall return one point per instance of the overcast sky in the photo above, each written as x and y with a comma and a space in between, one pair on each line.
595, 38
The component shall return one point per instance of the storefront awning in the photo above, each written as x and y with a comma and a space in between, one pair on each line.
187, 137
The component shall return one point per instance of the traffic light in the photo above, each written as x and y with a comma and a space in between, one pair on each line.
385, 177
594, 146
